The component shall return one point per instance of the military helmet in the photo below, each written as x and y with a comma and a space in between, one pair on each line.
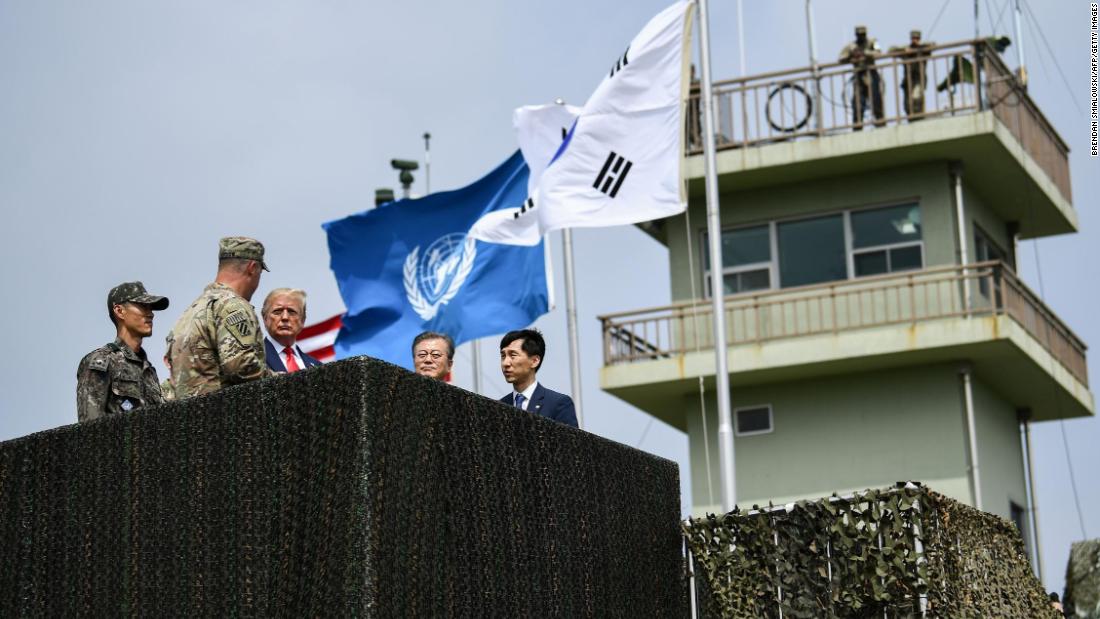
914, 34
861, 30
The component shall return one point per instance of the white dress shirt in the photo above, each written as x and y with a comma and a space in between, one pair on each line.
283, 355
527, 393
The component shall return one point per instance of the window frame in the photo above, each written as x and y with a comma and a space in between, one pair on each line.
853, 251
772, 265
737, 426
849, 246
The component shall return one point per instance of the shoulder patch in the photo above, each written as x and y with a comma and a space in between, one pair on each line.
239, 322
98, 364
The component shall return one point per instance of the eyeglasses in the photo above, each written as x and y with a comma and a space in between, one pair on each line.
434, 354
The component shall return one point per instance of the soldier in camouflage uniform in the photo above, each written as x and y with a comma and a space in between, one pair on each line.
913, 84
866, 84
217, 341
118, 378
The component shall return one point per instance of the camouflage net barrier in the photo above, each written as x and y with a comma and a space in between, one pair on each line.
1082, 595
901, 552
352, 489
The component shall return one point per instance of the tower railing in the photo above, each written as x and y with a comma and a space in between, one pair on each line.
910, 297
962, 77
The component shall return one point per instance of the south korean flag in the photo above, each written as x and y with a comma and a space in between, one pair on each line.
540, 131
620, 162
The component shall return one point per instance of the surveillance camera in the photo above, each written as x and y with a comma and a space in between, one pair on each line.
404, 164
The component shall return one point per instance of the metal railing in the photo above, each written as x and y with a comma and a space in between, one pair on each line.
956, 78
981, 289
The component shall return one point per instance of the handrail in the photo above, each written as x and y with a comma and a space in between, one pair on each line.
843, 306
811, 102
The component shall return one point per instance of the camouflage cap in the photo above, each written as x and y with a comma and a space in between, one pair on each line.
134, 292
242, 247
861, 30
914, 34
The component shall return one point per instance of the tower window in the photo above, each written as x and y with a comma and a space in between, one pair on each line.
753, 420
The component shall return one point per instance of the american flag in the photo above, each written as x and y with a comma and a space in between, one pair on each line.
317, 339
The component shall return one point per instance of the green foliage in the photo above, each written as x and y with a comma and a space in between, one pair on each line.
876, 553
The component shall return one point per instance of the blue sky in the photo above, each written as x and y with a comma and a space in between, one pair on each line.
135, 134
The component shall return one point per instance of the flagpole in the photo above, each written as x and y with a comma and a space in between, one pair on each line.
571, 322
714, 241
571, 313
427, 163
475, 364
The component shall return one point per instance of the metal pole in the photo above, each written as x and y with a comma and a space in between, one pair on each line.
960, 216
427, 163
714, 238
813, 66
571, 314
475, 364
971, 436
571, 322
1019, 47
977, 26
741, 37
1029, 478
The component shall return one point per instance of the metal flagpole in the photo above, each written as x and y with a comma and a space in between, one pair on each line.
571, 322
571, 314
714, 239
813, 66
475, 364
741, 37
427, 163
1019, 46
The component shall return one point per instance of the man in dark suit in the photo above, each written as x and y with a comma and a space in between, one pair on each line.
284, 315
521, 355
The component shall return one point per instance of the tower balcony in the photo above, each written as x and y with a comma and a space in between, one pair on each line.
979, 313
797, 125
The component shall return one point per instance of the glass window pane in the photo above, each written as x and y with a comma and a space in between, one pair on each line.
755, 280
746, 281
905, 258
871, 263
811, 251
746, 246
885, 226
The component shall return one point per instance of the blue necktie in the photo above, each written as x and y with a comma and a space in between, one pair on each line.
519, 401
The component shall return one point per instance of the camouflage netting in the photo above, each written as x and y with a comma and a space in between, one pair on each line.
1082, 597
900, 552
356, 489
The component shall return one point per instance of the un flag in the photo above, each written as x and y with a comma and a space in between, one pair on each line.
409, 266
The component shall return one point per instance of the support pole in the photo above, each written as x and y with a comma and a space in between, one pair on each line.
571, 323
714, 238
813, 67
741, 37
1024, 415
475, 364
960, 217
427, 163
1022, 75
971, 436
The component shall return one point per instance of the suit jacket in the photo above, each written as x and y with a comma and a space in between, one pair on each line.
556, 406
275, 357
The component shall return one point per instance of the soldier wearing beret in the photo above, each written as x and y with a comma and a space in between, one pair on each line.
118, 378
217, 341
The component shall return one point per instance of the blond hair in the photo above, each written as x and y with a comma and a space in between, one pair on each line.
296, 293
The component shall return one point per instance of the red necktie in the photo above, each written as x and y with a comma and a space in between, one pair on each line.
291, 362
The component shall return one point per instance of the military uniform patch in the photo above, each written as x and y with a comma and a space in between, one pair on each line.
238, 323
